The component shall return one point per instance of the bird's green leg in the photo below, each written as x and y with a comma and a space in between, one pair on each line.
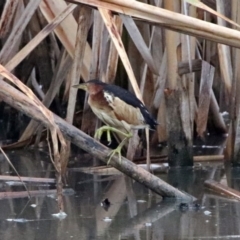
108, 129
118, 149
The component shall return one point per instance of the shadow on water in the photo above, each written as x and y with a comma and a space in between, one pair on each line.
131, 212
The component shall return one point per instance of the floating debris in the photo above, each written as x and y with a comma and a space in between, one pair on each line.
19, 220
105, 204
183, 207
60, 215
207, 212
148, 224
107, 219
186, 206
53, 196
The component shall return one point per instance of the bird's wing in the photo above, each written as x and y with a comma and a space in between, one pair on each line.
126, 112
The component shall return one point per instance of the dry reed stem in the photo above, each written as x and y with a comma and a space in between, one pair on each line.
67, 31
55, 132
232, 146
27, 179
165, 18
59, 152
7, 17
201, 5
224, 53
84, 21
222, 189
21, 55
139, 42
61, 71
207, 76
116, 38
113, 56
18, 30
33, 193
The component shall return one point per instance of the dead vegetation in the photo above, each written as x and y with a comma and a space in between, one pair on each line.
180, 57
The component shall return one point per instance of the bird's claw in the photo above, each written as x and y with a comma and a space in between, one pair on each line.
113, 152
108, 129
118, 151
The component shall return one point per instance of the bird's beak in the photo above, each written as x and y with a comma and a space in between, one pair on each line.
82, 86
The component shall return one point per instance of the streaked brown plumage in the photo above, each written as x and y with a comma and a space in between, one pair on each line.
117, 108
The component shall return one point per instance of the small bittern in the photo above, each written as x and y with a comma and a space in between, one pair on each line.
119, 109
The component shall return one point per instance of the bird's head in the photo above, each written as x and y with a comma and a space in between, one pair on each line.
91, 86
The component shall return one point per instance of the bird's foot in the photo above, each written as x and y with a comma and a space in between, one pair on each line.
113, 152
118, 151
109, 129
101, 130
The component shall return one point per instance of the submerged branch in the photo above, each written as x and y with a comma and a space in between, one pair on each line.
222, 189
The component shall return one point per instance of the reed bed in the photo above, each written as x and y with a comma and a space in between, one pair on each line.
180, 58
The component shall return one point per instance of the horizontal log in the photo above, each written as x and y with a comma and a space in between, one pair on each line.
34, 193
27, 179
21, 102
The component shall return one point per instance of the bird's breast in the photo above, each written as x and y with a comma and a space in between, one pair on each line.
115, 112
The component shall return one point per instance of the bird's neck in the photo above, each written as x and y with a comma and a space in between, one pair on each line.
94, 89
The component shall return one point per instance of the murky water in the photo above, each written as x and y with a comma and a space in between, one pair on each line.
134, 213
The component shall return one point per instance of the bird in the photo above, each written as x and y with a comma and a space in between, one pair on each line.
119, 109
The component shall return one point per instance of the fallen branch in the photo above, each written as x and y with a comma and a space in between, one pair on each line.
21, 102
222, 189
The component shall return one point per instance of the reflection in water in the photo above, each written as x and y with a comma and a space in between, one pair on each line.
133, 212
